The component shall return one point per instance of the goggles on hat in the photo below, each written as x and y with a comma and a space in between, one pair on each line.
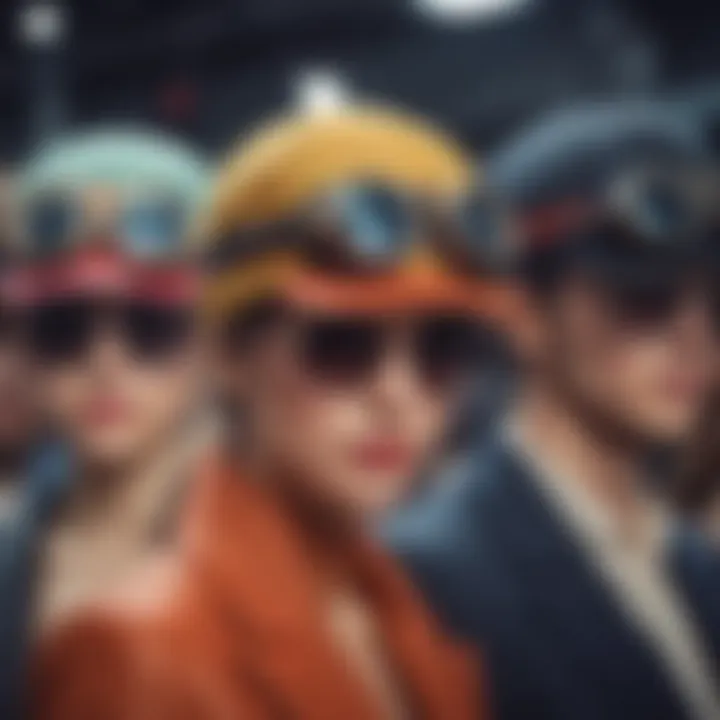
370, 228
644, 208
148, 227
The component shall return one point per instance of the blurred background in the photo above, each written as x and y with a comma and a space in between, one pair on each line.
210, 68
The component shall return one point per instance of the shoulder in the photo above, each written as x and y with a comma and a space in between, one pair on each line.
84, 666
102, 661
449, 515
434, 521
449, 539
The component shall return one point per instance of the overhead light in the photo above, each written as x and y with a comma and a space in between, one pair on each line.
42, 24
320, 90
467, 10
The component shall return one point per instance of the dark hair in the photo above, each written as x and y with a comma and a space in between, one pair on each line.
542, 271
698, 479
236, 335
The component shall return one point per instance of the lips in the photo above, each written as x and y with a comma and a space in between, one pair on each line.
383, 455
105, 411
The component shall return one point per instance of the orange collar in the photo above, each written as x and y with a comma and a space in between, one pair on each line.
254, 563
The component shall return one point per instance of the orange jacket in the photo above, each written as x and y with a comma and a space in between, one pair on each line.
234, 632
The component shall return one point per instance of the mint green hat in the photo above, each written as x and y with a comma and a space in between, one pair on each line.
133, 159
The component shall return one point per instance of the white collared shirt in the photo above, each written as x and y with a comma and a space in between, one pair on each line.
632, 563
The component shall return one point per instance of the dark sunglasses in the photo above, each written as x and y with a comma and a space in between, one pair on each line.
345, 351
650, 302
65, 331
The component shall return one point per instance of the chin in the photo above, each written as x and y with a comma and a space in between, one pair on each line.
373, 495
110, 451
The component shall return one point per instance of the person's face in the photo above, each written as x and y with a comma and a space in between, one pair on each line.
18, 391
115, 379
351, 409
639, 357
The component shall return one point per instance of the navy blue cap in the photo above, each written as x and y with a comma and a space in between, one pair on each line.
576, 151
573, 154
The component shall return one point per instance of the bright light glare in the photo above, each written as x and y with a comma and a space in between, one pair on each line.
320, 90
42, 24
461, 10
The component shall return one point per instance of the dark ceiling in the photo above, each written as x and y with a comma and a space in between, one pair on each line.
211, 67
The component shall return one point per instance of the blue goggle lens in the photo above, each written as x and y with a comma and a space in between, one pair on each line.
375, 221
153, 229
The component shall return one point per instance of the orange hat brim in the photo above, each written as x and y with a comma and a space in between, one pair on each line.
393, 295
415, 288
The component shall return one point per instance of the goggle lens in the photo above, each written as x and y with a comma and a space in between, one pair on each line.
376, 223
153, 230
148, 229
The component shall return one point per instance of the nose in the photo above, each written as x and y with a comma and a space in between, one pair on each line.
107, 350
397, 385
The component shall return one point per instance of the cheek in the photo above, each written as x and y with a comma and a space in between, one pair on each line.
589, 350
157, 396
299, 417
63, 393
309, 416
646, 381
604, 363
130, 405
324, 434
425, 422
17, 384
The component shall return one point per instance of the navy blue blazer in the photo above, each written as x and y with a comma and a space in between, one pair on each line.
502, 571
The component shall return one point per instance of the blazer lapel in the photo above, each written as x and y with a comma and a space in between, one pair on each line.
572, 621
441, 677
696, 569
250, 560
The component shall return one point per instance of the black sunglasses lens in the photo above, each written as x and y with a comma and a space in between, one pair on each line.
155, 332
61, 332
645, 303
448, 349
342, 351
